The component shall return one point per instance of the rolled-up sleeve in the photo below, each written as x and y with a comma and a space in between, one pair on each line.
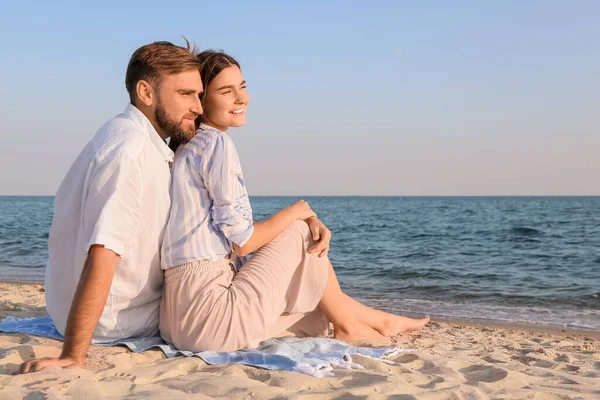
113, 203
231, 212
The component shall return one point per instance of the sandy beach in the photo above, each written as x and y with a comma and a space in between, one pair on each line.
454, 361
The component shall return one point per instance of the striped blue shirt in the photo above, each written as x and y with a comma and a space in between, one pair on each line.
210, 208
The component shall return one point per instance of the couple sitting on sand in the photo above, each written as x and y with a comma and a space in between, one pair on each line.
138, 229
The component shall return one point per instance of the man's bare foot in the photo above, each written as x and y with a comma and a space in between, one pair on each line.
360, 333
397, 324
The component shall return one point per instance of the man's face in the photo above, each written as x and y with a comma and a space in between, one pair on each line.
178, 104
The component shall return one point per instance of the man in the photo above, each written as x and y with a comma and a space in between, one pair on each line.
103, 278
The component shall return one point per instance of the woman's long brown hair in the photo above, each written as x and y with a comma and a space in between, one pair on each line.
213, 62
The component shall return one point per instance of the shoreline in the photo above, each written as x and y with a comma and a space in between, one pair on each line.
479, 323
20, 282
567, 331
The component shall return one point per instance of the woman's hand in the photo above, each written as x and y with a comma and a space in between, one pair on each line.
321, 235
301, 210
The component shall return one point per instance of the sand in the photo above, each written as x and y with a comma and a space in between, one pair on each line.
454, 361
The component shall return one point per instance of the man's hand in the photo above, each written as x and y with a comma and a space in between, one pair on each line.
321, 235
36, 365
86, 309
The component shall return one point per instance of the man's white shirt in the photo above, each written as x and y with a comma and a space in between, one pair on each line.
115, 194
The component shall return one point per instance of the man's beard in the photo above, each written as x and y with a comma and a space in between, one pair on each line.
170, 127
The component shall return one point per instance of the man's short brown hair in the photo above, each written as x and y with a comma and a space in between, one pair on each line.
153, 60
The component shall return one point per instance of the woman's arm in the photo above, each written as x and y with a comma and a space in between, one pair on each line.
265, 231
231, 213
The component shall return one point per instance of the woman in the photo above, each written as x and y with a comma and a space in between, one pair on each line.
287, 287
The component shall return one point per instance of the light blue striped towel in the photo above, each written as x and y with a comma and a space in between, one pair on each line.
313, 356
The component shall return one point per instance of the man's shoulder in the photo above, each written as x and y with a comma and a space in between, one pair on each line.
119, 137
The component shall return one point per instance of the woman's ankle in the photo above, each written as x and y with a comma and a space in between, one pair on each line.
347, 326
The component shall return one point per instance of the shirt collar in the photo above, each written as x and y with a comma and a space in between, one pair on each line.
144, 123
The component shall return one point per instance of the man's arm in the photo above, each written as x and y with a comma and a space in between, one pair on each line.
86, 309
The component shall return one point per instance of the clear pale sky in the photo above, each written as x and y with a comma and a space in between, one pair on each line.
347, 97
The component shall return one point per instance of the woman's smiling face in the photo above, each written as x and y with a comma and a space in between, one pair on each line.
226, 100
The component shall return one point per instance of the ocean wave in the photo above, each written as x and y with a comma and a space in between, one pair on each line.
15, 252
426, 235
525, 231
11, 242
416, 255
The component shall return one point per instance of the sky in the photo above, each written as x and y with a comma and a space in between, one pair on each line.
408, 98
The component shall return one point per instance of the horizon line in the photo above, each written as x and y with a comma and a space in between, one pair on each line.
370, 195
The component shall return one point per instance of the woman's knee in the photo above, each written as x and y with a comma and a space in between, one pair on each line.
300, 227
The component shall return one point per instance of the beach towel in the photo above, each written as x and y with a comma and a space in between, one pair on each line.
312, 356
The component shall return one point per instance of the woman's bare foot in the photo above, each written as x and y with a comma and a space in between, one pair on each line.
397, 324
385, 323
360, 333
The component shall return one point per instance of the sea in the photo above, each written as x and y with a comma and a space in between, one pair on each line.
531, 261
